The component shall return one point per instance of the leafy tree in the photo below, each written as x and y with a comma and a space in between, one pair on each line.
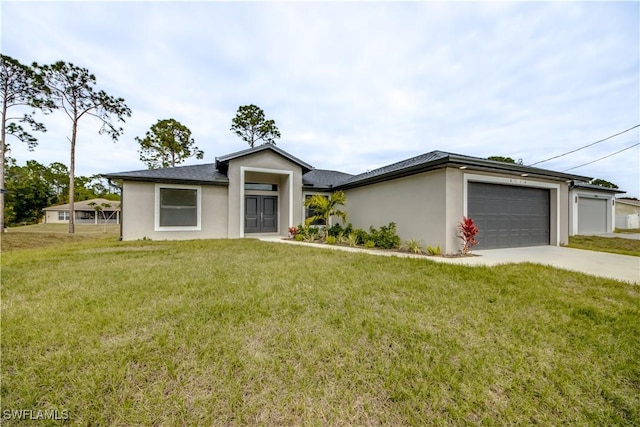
167, 143
58, 177
251, 125
72, 90
326, 207
99, 208
28, 192
20, 88
603, 183
501, 159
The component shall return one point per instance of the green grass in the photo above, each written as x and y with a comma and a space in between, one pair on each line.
615, 245
241, 332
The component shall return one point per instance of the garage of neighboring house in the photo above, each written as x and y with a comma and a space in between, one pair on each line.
509, 215
592, 209
592, 215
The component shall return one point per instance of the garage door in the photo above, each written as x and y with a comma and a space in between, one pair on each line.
509, 216
592, 215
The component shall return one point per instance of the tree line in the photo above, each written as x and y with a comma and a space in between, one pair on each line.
34, 186
70, 89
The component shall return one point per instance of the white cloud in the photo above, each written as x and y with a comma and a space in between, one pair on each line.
352, 86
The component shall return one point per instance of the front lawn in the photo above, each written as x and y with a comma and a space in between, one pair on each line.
615, 245
237, 332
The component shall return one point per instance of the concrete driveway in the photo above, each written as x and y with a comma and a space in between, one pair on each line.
620, 267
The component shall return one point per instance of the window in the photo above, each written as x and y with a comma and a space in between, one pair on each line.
309, 212
177, 207
260, 187
63, 215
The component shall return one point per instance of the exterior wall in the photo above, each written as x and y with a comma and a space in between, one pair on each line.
139, 214
417, 204
574, 198
626, 215
266, 167
623, 208
51, 217
558, 193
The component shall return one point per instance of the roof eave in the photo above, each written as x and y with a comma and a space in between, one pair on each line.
167, 180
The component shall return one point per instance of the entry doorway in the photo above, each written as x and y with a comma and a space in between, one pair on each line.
261, 214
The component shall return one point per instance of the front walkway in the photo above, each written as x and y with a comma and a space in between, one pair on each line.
625, 268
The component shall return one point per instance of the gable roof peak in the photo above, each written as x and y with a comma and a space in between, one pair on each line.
224, 160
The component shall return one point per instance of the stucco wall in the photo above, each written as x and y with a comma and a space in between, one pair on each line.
429, 206
138, 201
265, 166
415, 203
626, 209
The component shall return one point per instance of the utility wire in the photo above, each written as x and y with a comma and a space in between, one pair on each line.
601, 158
589, 145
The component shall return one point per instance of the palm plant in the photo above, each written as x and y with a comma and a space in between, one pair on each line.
325, 207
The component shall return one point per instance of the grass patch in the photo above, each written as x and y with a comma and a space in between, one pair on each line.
45, 235
628, 230
614, 245
232, 332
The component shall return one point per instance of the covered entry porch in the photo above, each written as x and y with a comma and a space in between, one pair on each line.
266, 201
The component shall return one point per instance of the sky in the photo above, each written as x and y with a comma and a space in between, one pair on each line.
351, 86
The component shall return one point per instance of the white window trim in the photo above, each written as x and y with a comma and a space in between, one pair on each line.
288, 173
515, 182
196, 227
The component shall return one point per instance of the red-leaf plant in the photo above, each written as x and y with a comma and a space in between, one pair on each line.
468, 230
293, 231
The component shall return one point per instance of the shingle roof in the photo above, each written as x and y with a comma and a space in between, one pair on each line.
407, 164
85, 206
322, 178
199, 174
436, 159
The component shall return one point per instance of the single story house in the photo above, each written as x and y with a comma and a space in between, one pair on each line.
85, 212
262, 189
627, 213
592, 208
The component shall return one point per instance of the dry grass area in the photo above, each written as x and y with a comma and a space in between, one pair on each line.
45, 235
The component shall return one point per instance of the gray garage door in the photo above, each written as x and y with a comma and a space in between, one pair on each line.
592, 215
509, 216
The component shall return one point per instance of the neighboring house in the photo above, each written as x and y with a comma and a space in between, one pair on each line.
85, 213
627, 213
262, 189
592, 209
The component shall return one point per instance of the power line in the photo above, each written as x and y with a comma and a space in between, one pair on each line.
602, 158
585, 146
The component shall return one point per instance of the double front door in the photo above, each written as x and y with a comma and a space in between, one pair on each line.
261, 214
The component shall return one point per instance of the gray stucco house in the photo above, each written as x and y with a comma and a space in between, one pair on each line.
262, 189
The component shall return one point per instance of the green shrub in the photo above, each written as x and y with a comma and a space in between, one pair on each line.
361, 236
433, 251
369, 244
413, 246
298, 237
352, 239
385, 237
331, 240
